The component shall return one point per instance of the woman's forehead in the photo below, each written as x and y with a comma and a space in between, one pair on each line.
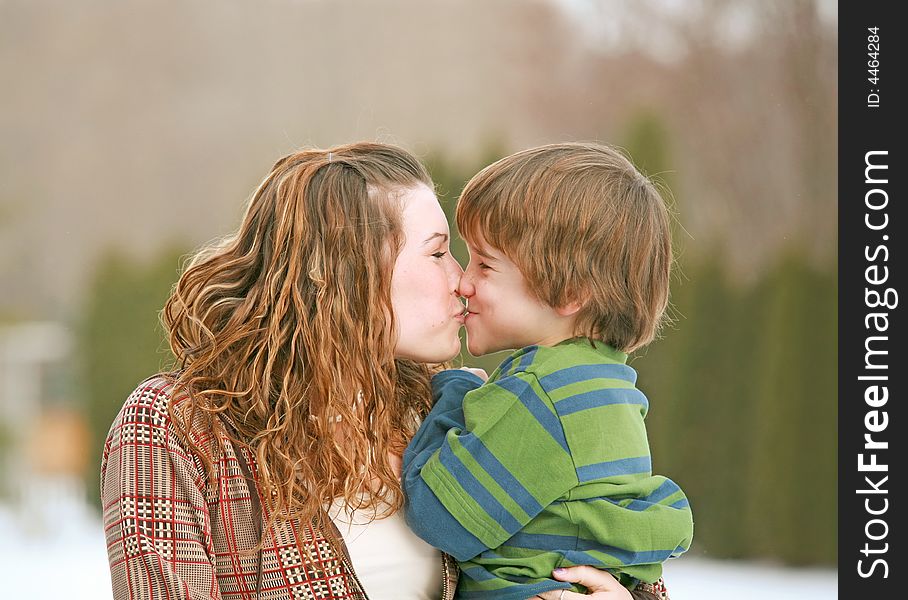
421, 210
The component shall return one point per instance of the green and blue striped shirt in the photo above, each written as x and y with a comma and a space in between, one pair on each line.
545, 465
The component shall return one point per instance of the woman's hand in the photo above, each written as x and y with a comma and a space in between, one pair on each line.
481, 373
601, 584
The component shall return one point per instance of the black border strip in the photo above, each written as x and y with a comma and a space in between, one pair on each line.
872, 227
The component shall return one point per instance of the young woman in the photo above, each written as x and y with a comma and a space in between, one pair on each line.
266, 464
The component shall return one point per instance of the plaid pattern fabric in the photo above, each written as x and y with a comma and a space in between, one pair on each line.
650, 591
172, 534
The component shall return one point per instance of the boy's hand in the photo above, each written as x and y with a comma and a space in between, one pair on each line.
481, 373
601, 584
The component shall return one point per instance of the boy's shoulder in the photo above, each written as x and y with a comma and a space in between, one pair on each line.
571, 361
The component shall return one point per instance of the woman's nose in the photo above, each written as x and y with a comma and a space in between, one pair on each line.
455, 272
457, 268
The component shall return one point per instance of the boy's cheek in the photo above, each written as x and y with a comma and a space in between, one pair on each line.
471, 323
473, 335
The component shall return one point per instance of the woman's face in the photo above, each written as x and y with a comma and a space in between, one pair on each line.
427, 309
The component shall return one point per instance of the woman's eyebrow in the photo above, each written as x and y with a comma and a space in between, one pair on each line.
436, 235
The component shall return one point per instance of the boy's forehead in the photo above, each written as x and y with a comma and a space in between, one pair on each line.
477, 244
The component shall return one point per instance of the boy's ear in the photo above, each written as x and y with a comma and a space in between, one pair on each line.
571, 308
578, 301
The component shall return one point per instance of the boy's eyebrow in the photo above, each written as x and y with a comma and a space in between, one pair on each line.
436, 235
484, 254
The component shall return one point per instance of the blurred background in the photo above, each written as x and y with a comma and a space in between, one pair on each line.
131, 132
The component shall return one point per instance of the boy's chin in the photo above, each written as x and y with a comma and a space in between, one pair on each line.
478, 348
479, 345
475, 350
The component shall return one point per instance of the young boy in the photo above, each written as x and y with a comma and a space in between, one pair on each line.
547, 463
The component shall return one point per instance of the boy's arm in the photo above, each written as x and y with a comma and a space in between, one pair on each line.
477, 485
637, 520
424, 513
639, 525
448, 390
633, 519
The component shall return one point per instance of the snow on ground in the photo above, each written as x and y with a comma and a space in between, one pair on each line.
72, 564
693, 578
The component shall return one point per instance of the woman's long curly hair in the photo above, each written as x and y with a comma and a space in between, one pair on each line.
285, 330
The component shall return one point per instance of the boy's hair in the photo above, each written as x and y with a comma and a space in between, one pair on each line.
582, 224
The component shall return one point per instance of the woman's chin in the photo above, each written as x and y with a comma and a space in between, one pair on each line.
452, 352
437, 355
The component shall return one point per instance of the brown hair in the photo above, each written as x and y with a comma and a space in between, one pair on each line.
583, 225
286, 328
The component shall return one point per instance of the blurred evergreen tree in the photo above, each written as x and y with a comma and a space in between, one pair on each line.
121, 340
6, 441
791, 499
743, 409
646, 141
698, 379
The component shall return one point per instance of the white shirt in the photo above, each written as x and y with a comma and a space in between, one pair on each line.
390, 560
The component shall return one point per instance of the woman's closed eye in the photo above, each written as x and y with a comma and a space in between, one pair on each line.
439, 254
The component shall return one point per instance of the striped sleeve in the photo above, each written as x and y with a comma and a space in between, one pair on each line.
425, 515
509, 461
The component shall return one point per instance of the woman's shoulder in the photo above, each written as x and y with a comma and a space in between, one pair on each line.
146, 421
151, 406
150, 402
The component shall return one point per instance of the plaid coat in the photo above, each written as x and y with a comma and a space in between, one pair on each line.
171, 534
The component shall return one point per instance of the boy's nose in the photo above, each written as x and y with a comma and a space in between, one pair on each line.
465, 287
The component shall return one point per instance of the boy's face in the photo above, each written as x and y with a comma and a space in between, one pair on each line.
502, 313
